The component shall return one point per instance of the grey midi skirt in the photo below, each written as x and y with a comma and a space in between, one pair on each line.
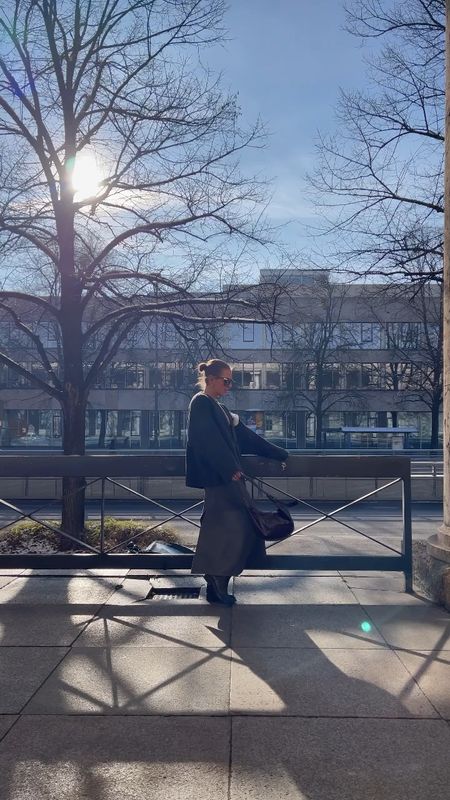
227, 542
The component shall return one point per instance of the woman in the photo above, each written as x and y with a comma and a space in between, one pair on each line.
227, 541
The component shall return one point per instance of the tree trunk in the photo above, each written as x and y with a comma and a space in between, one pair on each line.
319, 413
74, 405
301, 429
319, 430
73, 499
102, 434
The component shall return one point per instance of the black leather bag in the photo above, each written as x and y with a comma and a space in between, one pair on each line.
271, 525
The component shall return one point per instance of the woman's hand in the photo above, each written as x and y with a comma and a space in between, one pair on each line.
237, 475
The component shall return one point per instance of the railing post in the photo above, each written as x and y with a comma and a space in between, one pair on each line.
102, 518
407, 532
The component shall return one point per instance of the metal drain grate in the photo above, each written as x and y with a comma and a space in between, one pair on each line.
173, 593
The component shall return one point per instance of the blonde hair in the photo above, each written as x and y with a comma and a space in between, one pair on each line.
210, 369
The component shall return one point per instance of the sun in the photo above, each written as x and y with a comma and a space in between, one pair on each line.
86, 177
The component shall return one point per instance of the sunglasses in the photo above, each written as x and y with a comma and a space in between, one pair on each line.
226, 381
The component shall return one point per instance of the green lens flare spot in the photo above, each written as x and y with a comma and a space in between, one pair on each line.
366, 627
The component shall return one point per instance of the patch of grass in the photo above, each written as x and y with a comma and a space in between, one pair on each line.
29, 536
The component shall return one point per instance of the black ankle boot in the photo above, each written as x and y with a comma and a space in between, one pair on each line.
216, 590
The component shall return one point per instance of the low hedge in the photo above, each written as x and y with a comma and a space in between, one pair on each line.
30, 536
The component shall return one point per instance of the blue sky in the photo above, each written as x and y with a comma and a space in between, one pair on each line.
287, 61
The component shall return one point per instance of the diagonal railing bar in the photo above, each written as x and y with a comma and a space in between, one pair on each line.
50, 527
160, 505
332, 514
324, 514
147, 530
23, 515
173, 514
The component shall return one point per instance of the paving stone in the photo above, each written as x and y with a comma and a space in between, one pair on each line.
431, 670
292, 590
127, 680
388, 581
158, 625
336, 759
49, 626
45, 590
321, 683
5, 579
359, 545
95, 758
6, 722
22, 670
356, 573
302, 544
113, 572
287, 573
298, 625
423, 627
391, 597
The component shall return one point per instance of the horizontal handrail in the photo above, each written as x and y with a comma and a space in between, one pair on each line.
158, 466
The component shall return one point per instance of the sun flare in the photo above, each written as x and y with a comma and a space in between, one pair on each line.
86, 177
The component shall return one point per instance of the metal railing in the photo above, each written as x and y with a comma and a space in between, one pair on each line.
108, 470
427, 469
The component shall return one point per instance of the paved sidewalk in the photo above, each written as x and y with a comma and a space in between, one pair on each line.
313, 687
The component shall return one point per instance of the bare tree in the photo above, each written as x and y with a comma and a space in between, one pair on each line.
119, 179
317, 350
415, 366
381, 176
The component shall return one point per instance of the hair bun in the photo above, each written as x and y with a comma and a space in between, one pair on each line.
202, 367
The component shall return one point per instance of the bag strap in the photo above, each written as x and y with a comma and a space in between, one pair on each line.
259, 485
260, 488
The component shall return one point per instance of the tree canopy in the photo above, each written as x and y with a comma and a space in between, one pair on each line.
380, 177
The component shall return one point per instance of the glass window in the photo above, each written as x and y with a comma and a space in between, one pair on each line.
237, 375
404, 335
31, 428
274, 425
397, 375
176, 376
273, 376
331, 376
247, 377
291, 377
47, 332
155, 375
352, 376
311, 376
287, 379
257, 376
370, 376
3, 376
11, 379
116, 377
367, 334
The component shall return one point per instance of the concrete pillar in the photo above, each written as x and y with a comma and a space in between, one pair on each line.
439, 544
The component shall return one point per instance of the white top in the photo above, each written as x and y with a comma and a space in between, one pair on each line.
234, 417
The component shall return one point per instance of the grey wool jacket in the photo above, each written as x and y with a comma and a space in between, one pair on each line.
213, 448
